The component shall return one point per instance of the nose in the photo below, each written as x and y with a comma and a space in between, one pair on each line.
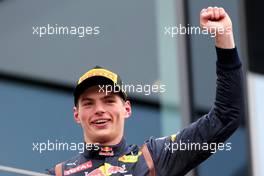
99, 109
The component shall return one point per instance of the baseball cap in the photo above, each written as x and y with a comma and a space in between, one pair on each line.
98, 76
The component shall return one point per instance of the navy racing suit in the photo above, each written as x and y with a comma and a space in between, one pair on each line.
163, 156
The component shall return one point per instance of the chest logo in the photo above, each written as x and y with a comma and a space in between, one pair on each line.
130, 158
106, 151
79, 168
107, 170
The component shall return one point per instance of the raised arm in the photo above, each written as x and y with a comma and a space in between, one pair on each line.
223, 118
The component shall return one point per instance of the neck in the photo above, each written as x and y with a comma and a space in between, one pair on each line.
103, 141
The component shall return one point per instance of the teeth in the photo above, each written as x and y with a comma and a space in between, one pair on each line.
101, 121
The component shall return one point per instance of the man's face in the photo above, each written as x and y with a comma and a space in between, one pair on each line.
101, 116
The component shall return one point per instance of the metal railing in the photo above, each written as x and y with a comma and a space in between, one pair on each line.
21, 171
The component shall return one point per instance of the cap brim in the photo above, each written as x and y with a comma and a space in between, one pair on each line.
93, 81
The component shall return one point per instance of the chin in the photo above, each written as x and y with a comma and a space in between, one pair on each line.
103, 137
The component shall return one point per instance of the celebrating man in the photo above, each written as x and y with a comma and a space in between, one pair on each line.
102, 116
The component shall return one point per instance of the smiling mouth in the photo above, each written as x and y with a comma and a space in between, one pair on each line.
100, 121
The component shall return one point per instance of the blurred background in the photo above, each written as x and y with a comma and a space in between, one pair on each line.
38, 74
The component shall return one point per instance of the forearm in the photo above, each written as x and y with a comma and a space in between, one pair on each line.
229, 101
226, 40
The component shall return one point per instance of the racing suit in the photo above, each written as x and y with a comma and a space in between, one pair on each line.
163, 156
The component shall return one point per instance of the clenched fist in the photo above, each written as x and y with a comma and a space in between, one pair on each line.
218, 22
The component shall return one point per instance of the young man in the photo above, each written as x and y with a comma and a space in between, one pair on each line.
102, 116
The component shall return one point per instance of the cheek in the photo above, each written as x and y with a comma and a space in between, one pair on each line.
118, 114
83, 115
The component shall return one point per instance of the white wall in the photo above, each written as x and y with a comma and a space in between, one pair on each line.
256, 119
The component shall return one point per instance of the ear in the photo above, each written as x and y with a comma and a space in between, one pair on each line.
128, 110
76, 114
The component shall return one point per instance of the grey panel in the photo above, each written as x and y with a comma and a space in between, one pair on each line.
126, 42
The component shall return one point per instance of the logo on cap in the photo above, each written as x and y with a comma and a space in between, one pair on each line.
99, 72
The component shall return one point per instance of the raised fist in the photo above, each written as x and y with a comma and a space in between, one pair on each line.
218, 22
215, 20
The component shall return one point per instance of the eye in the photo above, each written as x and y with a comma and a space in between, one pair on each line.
87, 103
110, 101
